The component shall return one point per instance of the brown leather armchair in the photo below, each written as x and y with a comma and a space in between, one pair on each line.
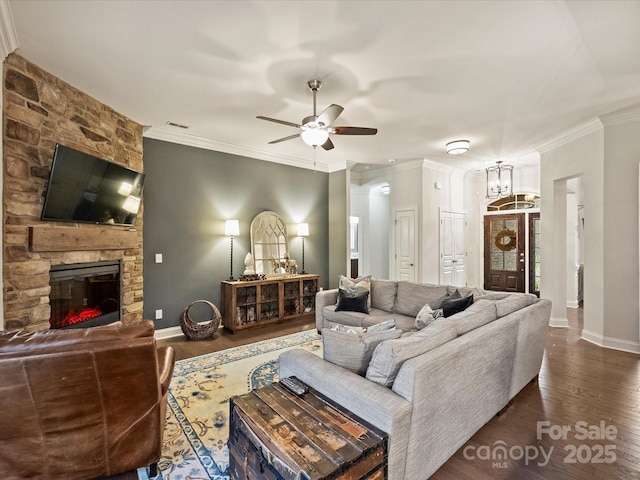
82, 403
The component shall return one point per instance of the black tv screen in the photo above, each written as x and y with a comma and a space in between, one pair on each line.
88, 189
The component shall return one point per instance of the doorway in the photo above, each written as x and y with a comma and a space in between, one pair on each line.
453, 256
405, 245
504, 247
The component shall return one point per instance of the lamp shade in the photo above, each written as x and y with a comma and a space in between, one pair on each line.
303, 229
458, 146
231, 228
314, 136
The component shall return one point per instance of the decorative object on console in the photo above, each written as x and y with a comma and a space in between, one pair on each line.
268, 241
231, 229
303, 231
249, 265
499, 180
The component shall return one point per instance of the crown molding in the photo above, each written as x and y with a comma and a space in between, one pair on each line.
569, 136
439, 167
167, 135
621, 117
8, 35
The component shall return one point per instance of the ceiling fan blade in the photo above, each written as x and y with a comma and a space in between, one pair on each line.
328, 145
354, 130
290, 137
283, 122
329, 115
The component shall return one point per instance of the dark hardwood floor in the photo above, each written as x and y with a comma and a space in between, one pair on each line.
578, 382
224, 339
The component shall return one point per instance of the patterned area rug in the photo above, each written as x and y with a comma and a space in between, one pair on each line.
195, 437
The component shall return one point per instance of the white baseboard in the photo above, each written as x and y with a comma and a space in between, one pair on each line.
168, 333
171, 332
558, 322
611, 342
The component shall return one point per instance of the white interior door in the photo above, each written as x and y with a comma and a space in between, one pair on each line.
405, 245
453, 256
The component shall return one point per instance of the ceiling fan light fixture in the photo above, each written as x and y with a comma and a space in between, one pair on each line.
314, 137
457, 147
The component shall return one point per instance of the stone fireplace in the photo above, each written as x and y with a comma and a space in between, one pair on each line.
40, 110
84, 294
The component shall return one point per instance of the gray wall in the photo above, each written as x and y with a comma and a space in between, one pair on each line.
189, 193
338, 226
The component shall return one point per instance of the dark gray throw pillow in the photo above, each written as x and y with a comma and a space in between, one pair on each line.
350, 301
451, 306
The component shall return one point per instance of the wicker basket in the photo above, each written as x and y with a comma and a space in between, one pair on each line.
200, 331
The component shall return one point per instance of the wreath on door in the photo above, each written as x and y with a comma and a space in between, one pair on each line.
506, 240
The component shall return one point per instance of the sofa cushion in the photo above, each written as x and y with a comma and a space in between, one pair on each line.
451, 306
478, 314
356, 285
389, 356
351, 349
376, 316
466, 291
411, 297
352, 301
513, 302
383, 294
346, 318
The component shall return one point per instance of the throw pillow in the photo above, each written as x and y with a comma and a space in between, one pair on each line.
426, 316
350, 301
356, 285
382, 326
455, 305
353, 351
390, 355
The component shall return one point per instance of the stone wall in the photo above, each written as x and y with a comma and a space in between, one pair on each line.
40, 110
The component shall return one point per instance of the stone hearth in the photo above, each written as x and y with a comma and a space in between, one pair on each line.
39, 111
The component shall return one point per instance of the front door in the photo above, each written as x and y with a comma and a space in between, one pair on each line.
504, 247
534, 253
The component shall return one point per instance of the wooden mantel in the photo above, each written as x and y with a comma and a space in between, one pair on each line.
47, 238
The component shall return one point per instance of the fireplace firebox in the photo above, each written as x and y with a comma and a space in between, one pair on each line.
84, 294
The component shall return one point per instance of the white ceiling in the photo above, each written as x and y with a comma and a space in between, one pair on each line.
506, 75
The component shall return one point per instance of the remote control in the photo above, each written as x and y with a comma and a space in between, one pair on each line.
294, 385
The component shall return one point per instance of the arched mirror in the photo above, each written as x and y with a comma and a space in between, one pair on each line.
268, 241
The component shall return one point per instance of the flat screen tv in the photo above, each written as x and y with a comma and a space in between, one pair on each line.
88, 189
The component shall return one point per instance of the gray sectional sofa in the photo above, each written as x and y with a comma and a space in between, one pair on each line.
431, 389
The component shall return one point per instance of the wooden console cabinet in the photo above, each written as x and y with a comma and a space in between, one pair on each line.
261, 302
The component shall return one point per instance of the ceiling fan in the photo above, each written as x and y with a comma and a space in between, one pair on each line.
317, 128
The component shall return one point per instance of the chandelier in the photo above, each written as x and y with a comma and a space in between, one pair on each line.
499, 180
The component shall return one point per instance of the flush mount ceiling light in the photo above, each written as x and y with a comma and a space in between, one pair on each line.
457, 147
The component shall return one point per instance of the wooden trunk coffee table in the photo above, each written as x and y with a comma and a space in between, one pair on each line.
275, 434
